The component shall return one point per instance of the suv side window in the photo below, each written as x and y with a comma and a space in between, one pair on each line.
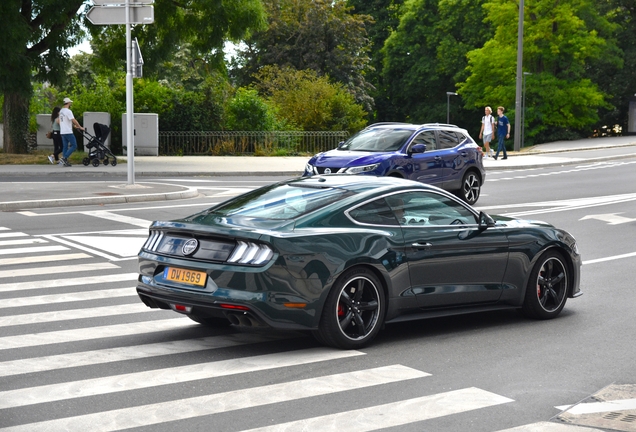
447, 139
426, 137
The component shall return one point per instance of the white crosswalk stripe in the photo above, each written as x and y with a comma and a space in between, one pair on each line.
76, 295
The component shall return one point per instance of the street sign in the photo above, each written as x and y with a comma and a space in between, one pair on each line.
137, 60
105, 15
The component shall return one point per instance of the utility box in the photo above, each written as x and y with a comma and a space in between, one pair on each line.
44, 125
146, 134
631, 116
89, 120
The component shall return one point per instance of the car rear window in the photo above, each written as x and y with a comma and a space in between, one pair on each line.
286, 201
377, 140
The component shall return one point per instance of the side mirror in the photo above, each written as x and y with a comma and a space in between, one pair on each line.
340, 144
485, 221
417, 148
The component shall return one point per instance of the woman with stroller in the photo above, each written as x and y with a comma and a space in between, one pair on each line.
57, 138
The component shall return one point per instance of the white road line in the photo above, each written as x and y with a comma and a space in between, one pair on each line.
65, 315
119, 218
58, 239
30, 250
42, 259
21, 242
152, 414
89, 333
4, 228
611, 258
13, 234
90, 358
58, 283
600, 407
174, 375
395, 413
56, 270
70, 297
550, 427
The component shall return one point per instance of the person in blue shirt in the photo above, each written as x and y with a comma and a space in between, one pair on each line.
503, 132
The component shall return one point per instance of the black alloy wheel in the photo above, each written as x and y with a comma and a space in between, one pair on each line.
547, 289
471, 188
354, 311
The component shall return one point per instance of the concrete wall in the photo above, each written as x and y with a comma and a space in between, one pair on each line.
44, 125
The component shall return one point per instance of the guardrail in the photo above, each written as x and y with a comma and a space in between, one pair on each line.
274, 143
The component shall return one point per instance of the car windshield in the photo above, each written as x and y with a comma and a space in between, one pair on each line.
377, 140
283, 201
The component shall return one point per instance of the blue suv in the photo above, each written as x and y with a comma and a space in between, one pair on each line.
438, 154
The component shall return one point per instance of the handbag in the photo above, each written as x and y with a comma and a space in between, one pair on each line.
49, 134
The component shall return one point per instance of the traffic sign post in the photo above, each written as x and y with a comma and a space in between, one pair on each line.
115, 12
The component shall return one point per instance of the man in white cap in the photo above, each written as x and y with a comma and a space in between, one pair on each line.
67, 123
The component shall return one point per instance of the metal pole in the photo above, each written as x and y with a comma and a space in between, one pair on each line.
523, 110
518, 110
448, 95
130, 138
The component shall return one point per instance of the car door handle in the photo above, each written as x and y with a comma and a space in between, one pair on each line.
418, 245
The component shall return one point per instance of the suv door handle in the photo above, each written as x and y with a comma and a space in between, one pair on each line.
418, 245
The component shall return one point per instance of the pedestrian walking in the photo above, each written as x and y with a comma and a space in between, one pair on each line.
55, 135
503, 132
67, 122
487, 130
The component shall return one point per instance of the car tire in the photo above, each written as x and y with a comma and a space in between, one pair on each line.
547, 289
471, 187
355, 302
210, 321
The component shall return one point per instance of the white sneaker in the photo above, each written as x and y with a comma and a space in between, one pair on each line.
51, 159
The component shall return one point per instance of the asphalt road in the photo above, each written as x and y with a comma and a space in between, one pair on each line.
76, 343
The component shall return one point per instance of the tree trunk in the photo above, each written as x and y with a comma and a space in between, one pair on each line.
16, 122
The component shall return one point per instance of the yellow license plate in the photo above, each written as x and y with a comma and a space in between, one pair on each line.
190, 277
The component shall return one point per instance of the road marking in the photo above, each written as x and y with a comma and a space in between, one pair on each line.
116, 245
58, 283
74, 314
119, 218
610, 218
612, 258
56, 238
599, 407
174, 375
21, 242
13, 234
550, 427
153, 414
70, 297
92, 333
56, 270
110, 355
396, 413
42, 259
32, 250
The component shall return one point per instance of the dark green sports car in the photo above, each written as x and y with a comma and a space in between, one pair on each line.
341, 255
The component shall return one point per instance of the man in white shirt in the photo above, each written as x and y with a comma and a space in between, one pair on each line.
67, 123
487, 123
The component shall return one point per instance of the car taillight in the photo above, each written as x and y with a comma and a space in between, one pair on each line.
153, 240
250, 253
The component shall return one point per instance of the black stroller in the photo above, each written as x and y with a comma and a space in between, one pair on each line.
97, 151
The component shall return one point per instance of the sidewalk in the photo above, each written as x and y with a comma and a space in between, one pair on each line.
48, 191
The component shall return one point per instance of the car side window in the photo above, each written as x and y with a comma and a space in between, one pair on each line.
447, 139
375, 213
426, 137
421, 208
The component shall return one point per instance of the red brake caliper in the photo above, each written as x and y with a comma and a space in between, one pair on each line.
341, 310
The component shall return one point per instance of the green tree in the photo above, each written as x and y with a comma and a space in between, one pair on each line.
36, 34
309, 101
247, 111
320, 35
197, 28
561, 38
426, 56
386, 18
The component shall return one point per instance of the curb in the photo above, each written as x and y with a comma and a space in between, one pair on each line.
120, 199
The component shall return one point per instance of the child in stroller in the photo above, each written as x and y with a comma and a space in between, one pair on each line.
97, 150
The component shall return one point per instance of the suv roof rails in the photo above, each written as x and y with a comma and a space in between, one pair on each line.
387, 123
440, 124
